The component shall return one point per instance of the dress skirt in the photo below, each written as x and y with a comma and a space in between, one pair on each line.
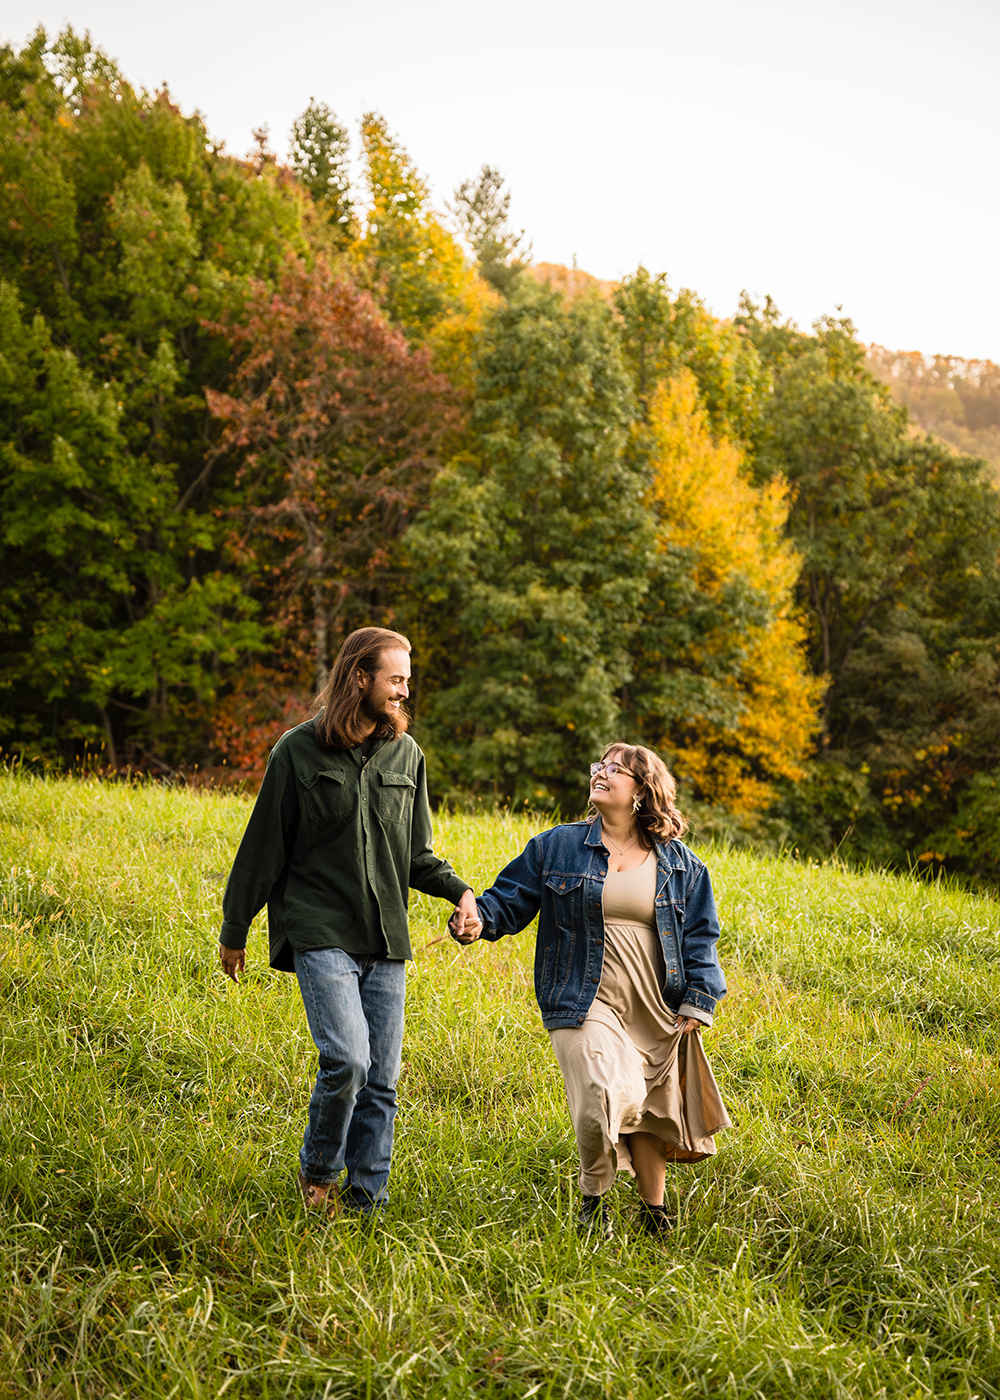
628, 1069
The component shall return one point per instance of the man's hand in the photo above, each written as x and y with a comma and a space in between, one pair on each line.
465, 924
233, 960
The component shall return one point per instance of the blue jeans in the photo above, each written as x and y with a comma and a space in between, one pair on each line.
354, 1006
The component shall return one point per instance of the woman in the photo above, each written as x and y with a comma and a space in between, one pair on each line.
626, 974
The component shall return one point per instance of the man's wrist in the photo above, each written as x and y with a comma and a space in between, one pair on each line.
233, 935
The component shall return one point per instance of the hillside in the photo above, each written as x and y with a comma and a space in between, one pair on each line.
571, 281
842, 1244
957, 400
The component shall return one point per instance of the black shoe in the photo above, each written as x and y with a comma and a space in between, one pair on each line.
654, 1220
594, 1216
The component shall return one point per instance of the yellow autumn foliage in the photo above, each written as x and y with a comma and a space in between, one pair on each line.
414, 263
454, 338
704, 499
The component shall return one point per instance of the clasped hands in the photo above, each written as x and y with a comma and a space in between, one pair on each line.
465, 925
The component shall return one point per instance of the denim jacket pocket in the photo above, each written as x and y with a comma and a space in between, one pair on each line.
328, 799
563, 901
565, 895
395, 798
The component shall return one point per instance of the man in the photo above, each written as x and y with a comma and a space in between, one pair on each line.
339, 834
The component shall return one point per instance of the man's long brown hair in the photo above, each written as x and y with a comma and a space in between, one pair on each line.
342, 723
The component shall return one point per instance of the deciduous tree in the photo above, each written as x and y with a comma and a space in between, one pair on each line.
663, 334
95, 615
530, 560
721, 675
899, 539
334, 422
124, 228
419, 272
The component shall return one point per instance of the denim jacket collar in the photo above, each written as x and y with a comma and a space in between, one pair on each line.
594, 833
665, 858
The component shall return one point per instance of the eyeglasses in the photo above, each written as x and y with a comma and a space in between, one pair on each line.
610, 769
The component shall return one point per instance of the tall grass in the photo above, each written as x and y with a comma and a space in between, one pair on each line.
843, 1243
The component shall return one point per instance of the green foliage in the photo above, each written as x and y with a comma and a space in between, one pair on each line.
413, 263
661, 335
899, 539
482, 209
124, 230
834, 436
778, 342
93, 606
321, 156
969, 841
584, 564
530, 562
24, 72
833, 809
841, 1245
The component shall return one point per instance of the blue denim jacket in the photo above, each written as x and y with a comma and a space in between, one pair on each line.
560, 876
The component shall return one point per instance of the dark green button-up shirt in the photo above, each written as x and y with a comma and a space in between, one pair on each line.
334, 844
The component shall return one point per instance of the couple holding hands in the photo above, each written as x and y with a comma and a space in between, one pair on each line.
626, 971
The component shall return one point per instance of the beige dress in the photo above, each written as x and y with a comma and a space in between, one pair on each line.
628, 1068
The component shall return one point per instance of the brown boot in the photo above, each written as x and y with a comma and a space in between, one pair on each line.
317, 1196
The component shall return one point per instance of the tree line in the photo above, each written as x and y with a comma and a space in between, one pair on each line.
246, 407
957, 400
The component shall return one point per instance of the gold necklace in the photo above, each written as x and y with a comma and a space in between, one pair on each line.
621, 849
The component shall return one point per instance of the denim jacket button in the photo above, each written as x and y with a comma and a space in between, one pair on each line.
596, 981
580, 1020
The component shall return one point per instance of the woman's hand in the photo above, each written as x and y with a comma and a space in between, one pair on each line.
687, 1024
465, 925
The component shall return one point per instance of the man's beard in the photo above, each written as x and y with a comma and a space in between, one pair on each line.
388, 723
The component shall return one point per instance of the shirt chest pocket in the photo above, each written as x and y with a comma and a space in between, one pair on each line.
395, 797
329, 798
565, 894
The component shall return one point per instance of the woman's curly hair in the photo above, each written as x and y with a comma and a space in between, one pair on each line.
657, 816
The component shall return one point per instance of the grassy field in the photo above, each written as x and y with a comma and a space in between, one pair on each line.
843, 1243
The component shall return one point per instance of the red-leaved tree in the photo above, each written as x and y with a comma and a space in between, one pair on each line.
337, 424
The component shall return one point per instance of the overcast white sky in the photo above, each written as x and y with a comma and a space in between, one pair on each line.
830, 152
